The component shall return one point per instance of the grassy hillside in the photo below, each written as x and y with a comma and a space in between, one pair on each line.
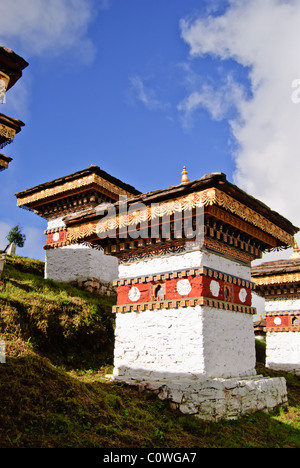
59, 343
70, 326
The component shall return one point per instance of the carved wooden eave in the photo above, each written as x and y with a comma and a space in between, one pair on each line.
278, 278
279, 281
9, 127
12, 65
232, 218
4, 161
286, 268
74, 192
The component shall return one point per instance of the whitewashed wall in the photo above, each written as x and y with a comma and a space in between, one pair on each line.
283, 348
75, 262
260, 305
199, 341
278, 305
78, 262
197, 259
283, 351
184, 342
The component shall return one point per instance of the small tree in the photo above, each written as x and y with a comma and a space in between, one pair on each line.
15, 236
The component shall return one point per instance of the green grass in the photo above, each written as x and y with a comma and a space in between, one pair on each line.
53, 392
72, 327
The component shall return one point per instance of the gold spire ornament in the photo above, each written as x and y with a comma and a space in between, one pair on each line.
296, 253
184, 178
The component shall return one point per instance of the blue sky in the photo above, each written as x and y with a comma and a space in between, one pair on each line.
143, 87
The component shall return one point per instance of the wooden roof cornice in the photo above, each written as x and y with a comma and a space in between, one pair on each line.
212, 190
11, 122
12, 65
217, 181
278, 272
277, 267
76, 182
4, 161
8, 128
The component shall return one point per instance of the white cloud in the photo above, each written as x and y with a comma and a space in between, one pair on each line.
218, 102
145, 94
263, 36
36, 27
45, 28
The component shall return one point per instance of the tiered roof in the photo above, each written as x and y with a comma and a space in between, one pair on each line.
11, 68
279, 277
4, 162
75, 192
232, 217
8, 129
12, 65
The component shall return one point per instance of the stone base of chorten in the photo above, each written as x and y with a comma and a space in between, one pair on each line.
217, 399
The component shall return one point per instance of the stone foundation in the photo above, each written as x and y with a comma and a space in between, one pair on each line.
96, 286
217, 399
194, 347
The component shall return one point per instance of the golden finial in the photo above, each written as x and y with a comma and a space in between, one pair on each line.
296, 253
184, 178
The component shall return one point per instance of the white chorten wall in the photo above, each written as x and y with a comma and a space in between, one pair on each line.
259, 303
78, 262
283, 351
184, 341
283, 347
196, 259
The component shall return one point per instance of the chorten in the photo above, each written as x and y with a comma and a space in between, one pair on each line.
72, 195
184, 314
278, 282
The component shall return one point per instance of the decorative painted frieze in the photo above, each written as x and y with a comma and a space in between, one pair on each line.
283, 321
56, 237
184, 288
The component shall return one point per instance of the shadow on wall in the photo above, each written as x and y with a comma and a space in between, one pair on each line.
260, 351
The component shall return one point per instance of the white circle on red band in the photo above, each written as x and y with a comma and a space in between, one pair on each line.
214, 288
242, 294
134, 294
183, 287
277, 321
